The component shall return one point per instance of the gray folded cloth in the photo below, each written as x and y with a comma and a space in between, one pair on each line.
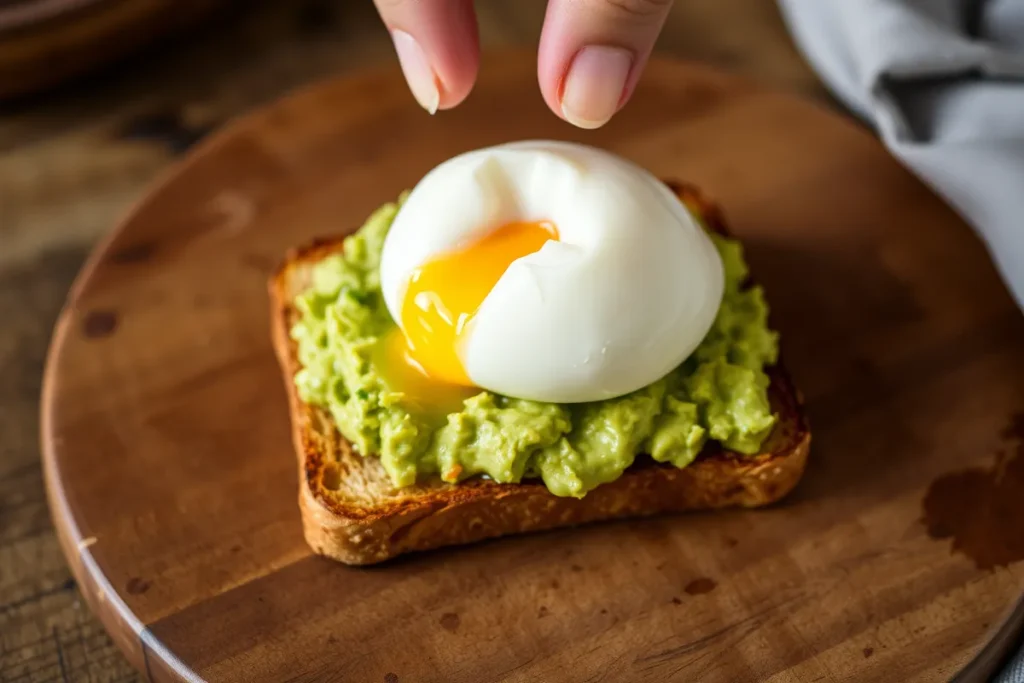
942, 81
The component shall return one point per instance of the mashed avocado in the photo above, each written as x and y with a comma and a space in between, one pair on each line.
719, 393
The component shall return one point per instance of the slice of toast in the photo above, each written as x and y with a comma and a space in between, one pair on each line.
351, 511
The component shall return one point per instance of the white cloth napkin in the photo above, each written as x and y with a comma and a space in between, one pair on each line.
942, 81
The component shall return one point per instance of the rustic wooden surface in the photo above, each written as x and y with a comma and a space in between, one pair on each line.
169, 462
46, 42
71, 163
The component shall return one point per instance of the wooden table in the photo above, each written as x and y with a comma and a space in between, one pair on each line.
71, 162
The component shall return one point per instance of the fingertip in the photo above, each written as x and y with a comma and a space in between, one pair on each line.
592, 53
458, 79
552, 61
438, 48
456, 52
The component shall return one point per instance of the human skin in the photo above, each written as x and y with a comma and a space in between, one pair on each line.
590, 57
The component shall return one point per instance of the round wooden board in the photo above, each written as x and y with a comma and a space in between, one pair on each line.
173, 480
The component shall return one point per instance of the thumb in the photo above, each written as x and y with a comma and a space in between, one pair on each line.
592, 53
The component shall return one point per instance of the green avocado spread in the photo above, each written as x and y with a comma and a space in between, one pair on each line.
719, 393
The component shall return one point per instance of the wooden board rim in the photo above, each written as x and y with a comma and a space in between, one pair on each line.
86, 571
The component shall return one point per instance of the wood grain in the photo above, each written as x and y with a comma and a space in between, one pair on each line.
74, 160
44, 43
172, 478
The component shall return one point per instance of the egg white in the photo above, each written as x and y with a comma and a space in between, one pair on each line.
626, 294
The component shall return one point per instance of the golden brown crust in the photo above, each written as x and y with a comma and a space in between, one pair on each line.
352, 513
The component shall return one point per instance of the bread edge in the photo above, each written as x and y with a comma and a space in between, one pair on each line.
478, 509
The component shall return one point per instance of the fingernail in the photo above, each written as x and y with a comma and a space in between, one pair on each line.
418, 73
594, 85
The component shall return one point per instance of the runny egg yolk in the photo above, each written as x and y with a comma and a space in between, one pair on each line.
443, 295
420, 394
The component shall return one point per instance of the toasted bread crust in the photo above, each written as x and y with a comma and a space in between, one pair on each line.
352, 513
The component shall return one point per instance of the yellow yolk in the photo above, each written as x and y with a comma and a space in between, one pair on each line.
443, 295
421, 394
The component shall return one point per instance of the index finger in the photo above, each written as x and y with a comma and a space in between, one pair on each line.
438, 47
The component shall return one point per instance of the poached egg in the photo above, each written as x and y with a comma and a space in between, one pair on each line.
547, 271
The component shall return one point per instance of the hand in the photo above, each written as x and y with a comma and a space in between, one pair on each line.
591, 52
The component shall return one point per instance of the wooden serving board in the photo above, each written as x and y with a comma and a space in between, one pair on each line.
173, 481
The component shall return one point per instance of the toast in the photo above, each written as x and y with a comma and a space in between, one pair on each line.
351, 512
